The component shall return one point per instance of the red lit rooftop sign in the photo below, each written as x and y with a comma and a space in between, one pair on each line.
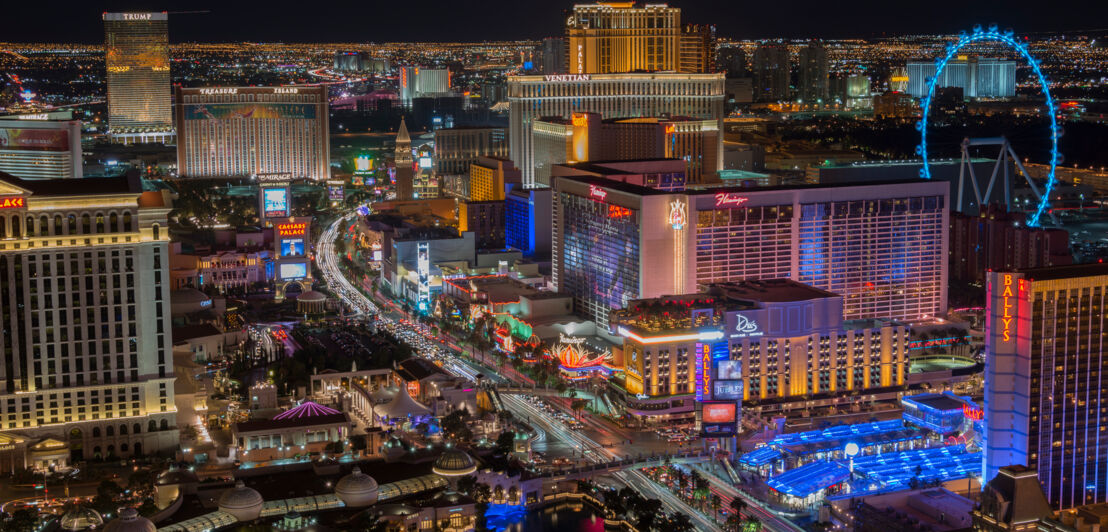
12, 202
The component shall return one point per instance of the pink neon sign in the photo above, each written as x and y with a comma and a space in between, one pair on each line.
598, 192
724, 199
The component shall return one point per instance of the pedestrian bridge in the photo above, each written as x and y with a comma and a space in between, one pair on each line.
631, 462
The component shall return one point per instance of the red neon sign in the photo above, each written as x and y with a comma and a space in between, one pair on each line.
724, 199
296, 229
1006, 318
615, 211
12, 203
706, 353
973, 414
598, 192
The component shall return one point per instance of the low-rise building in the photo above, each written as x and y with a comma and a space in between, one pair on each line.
753, 340
306, 428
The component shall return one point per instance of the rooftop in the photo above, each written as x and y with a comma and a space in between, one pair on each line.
75, 187
937, 401
769, 291
640, 190
1053, 273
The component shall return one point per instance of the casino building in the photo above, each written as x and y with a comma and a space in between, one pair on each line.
588, 137
41, 149
136, 57
84, 280
756, 340
881, 246
1045, 348
272, 132
654, 94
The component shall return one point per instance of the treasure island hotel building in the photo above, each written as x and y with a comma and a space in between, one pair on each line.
620, 61
276, 132
86, 370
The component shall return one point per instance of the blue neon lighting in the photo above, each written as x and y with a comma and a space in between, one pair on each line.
952, 50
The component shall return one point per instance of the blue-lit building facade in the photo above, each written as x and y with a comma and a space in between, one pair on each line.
527, 221
941, 413
805, 469
1045, 379
881, 246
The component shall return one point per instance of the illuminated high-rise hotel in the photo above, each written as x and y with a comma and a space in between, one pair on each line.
136, 51
87, 368
622, 61
612, 37
530, 98
1046, 339
275, 132
881, 246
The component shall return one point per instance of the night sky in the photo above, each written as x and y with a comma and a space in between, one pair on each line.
475, 20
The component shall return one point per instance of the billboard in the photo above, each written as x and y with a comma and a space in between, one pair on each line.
729, 370
424, 162
255, 111
726, 412
275, 202
336, 192
717, 431
292, 247
34, 139
293, 270
363, 164
727, 390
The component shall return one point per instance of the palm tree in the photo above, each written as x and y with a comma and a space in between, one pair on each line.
715, 502
737, 506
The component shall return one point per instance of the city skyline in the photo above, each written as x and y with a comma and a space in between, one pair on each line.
441, 21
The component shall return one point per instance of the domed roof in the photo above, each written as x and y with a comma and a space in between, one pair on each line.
357, 489
311, 295
454, 462
240, 497
130, 521
81, 518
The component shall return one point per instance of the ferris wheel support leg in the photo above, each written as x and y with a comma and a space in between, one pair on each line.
1031, 184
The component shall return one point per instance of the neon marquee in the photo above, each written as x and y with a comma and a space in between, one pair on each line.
724, 199
598, 192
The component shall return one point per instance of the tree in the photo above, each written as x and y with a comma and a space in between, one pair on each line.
141, 482
680, 522
106, 494
21, 521
577, 405
467, 484
368, 521
737, 506
751, 524
505, 443
482, 493
715, 503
